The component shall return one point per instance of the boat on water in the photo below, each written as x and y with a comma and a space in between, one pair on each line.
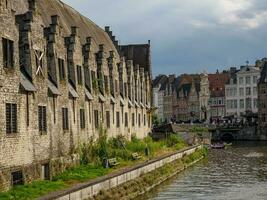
218, 146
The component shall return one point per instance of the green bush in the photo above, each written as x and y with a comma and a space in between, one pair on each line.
173, 140
199, 129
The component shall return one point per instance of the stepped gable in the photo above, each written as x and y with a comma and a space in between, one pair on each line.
68, 17
139, 53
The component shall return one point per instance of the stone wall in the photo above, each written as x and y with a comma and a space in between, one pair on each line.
112, 87
87, 190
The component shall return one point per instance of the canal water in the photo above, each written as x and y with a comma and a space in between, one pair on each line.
236, 173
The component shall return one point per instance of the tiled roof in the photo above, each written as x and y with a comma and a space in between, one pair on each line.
217, 83
68, 17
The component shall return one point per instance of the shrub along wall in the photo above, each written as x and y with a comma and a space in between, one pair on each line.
96, 187
146, 182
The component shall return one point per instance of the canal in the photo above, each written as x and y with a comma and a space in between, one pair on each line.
238, 172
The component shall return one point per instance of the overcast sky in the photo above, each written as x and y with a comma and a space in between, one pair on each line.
187, 36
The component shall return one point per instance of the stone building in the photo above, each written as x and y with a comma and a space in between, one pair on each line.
186, 104
242, 92
217, 102
204, 97
168, 99
159, 86
262, 102
62, 79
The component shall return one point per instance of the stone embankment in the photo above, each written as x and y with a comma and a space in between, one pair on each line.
161, 168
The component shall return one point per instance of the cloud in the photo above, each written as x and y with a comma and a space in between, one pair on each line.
186, 36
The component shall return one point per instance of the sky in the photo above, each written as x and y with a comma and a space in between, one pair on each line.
187, 36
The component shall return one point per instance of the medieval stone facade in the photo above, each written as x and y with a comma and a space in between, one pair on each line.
63, 79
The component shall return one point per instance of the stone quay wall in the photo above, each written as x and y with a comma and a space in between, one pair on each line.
87, 190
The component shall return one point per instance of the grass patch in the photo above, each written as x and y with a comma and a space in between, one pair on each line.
81, 173
32, 191
92, 155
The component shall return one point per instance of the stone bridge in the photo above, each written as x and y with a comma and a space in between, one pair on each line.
232, 134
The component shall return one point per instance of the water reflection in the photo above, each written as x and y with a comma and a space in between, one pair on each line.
238, 173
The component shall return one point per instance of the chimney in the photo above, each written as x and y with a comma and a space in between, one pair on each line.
74, 30
171, 78
116, 43
32, 5
89, 40
107, 29
55, 19
111, 54
101, 47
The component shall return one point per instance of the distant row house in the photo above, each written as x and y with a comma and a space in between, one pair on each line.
209, 97
242, 92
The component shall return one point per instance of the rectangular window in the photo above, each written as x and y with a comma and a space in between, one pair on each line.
82, 118
116, 86
111, 83
255, 103
108, 119
255, 79
87, 78
42, 118
144, 120
8, 53
11, 118
125, 90
89, 109
235, 104
118, 119
106, 84
248, 80
133, 124
255, 92
94, 81
46, 171
248, 91
241, 81
248, 103
96, 119
65, 119
242, 104
263, 118
79, 75
126, 120
61, 69
241, 92
139, 120
17, 178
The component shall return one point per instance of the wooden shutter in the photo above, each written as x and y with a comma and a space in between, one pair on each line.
126, 119
108, 119
40, 117
82, 118
65, 120
44, 119
11, 118
8, 119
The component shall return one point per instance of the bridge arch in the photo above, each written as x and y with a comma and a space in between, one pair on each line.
227, 137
